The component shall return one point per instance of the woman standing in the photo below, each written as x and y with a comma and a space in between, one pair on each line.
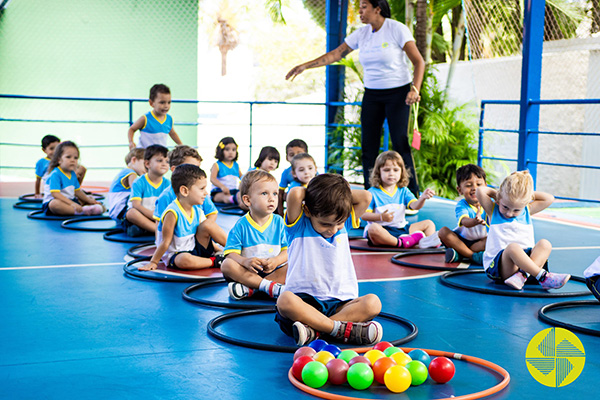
389, 89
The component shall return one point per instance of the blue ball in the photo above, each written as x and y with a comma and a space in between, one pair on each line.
333, 349
420, 355
318, 344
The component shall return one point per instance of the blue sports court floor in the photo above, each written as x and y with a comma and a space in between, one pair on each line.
72, 325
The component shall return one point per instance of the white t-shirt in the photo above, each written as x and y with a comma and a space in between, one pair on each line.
381, 54
593, 269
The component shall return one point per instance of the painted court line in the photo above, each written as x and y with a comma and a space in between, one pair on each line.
62, 266
403, 278
577, 248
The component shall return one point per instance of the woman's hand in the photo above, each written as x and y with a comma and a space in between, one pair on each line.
294, 72
412, 97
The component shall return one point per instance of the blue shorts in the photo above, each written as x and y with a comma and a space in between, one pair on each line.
593, 283
233, 192
198, 251
493, 272
326, 307
46, 207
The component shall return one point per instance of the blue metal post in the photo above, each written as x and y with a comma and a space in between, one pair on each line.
480, 147
531, 80
336, 23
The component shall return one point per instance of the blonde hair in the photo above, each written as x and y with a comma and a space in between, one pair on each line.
252, 177
375, 178
517, 187
138, 153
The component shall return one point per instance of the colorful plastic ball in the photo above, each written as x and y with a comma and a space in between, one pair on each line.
391, 350
360, 376
381, 366
333, 349
397, 379
338, 370
441, 369
318, 344
401, 358
304, 351
347, 355
323, 357
374, 355
314, 374
418, 372
298, 364
420, 355
360, 360
382, 346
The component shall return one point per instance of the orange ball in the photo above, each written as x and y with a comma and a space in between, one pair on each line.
381, 366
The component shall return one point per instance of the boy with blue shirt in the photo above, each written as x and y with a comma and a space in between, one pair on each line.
156, 124
186, 234
294, 147
120, 188
256, 245
49, 143
468, 239
321, 289
145, 190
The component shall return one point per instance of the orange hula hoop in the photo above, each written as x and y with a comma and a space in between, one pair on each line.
456, 356
95, 189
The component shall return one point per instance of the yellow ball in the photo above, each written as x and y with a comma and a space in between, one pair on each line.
323, 357
374, 355
397, 379
401, 358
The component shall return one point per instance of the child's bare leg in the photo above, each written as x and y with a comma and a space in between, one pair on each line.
478, 245
61, 208
361, 309
514, 258
238, 273
188, 261
209, 230
427, 227
221, 198
380, 236
139, 219
278, 275
451, 240
294, 308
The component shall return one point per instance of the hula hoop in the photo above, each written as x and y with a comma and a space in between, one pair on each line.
366, 247
237, 305
41, 215
130, 269
213, 323
474, 360
68, 224
445, 279
30, 198
95, 189
111, 236
400, 259
566, 304
232, 210
28, 205
133, 251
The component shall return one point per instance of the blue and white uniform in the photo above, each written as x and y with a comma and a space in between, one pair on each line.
504, 231
228, 175
249, 239
41, 168
593, 270
320, 267
167, 197
155, 131
286, 178
395, 202
60, 181
146, 191
119, 192
296, 183
466, 210
184, 234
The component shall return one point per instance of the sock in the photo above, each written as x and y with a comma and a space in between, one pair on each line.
271, 288
337, 326
541, 276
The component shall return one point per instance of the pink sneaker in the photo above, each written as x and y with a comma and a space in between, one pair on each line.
411, 240
554, 281
516, 280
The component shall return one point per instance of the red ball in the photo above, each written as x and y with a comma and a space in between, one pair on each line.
298, 364
381, 346
338, 369
304, 351
382, 365
441, 369
359, 359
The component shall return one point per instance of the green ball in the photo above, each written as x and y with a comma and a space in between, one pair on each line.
347, 355
314, 374
391, 350
418, 372
360, 376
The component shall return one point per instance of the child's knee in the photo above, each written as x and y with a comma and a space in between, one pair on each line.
372, 304
228, 267
285, 302
544, 244
444, 232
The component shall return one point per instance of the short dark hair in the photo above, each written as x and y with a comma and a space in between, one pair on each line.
267, 152
186, 175
224, 142
465, 172
252, 177
384, 6
329, 194
158, 88
155, 149
138, 153
180, 153
297, 143
48, 140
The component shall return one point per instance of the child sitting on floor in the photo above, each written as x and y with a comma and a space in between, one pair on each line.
294, 147
386, 224
321, 289
256, 245
511, 254
120, 188
268, 159
49, 143
225, 174
468, 238
304, 168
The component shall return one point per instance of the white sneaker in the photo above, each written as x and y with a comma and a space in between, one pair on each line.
516, 280
430, 241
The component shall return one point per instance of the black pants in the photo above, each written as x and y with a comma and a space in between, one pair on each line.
378, 105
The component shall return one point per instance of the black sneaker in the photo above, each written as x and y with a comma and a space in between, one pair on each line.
219, 258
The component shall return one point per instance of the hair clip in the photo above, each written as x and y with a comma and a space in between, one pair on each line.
221, 145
